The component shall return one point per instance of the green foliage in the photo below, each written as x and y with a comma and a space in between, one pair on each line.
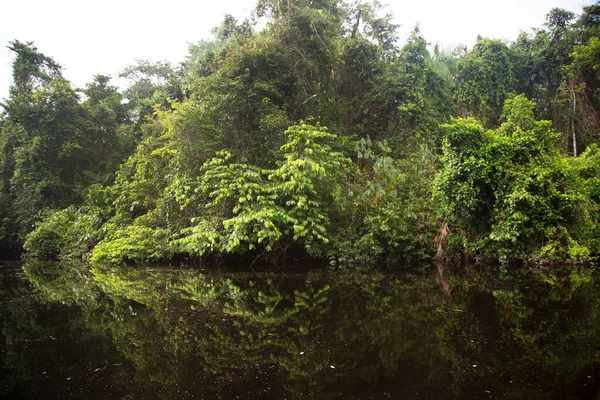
362, 69
48, 239
50, 145
31, 68
510, 192
484, 80
54, 146
134, 243
554, 67
390, 215
9, 239
70, 232
257, 207
577, 105
507, 192
151, 84
203, 54
444, 62
408, 101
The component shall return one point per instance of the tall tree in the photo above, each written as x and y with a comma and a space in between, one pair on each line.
485, 79
51, 136
109, 127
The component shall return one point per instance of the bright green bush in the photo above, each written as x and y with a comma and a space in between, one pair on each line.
50, 235
251, 207
69, 232
133, 243
511, 193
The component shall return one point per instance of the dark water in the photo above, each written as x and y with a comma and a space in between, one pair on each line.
68, 332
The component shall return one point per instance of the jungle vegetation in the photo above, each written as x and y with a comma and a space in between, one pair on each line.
320, 135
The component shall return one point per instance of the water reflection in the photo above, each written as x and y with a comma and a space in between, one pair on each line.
165, 333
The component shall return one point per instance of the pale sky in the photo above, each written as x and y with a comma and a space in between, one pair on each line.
91, 37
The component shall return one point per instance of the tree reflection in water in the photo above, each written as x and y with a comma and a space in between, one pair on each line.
173, 333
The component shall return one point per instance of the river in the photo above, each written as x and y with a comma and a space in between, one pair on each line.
71, 331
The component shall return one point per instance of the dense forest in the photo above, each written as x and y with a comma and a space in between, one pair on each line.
319, 135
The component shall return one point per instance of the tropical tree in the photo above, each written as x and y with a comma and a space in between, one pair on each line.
484, 81
53, 144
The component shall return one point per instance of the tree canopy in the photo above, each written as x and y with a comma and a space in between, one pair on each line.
319, 135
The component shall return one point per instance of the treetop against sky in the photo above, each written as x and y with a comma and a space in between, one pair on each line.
91, 38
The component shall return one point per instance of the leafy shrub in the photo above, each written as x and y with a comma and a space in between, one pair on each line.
50, 235
68, 232
133, 243
512, 194
391, 213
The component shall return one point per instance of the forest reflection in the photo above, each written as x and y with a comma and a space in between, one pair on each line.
179, 333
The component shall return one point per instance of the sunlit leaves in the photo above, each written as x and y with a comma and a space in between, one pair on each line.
260, 207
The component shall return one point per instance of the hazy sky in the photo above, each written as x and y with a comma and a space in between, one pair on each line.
93, 37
